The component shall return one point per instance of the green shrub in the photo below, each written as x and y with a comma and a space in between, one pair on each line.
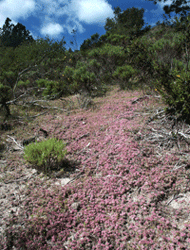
45, 156
176, 94
124, 74
51, 87
140, 58
173, 79
5, 96
94, 64
67, 76
23, 84
117, 39
178, 65
109, 54
84, 77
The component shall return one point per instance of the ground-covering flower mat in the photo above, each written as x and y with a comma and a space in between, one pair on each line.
127, 191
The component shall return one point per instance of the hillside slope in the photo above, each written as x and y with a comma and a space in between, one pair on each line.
127, 188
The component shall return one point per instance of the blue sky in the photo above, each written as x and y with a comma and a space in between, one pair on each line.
57, 18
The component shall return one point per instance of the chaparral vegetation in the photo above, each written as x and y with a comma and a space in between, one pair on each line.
94, 146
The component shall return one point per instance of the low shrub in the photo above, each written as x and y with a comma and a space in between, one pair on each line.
174, 80
5, 96
84, 77
51, 88
176, 94
45, 156
124, 74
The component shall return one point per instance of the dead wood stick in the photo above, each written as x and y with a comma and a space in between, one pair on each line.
21, 147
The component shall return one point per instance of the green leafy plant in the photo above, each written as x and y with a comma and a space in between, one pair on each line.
124, 74
13, 36
67, 77
138, 56
51, 87
5, 95
45, 156
23, 84
176, 94
173, 80
84, 77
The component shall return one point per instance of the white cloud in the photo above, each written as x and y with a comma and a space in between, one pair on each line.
57, 16
73, 13
52, 29
72, 23
15, 9
92, 11
162, 4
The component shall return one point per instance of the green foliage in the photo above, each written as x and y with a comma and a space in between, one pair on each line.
178, 6
41, 50
84, 77
140, 58
161, 44
127, 22
8, 78
163, 51
176, 94
13, 35
178, 65
45, 156
173, 79
126, 54
51, 87
5, 92
131, 19
5, 95
109, 55
112, 51
95, 64
20, 67
24, 84
116, 39
124, 73
168, 47
67, 75
90, 43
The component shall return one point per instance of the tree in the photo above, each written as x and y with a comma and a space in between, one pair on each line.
132, 17
20, 67
13, 35
90, 43
178, 6
111, 23
128, 22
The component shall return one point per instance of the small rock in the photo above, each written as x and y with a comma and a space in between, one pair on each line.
76, 206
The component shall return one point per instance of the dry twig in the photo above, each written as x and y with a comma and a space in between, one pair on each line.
21, 147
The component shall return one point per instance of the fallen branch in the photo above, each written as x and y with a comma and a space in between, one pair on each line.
21, 147
34, 116
76, 177
175, 196
157, 115
21, 179
83, 136
140, 99
37, 115
38, 105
